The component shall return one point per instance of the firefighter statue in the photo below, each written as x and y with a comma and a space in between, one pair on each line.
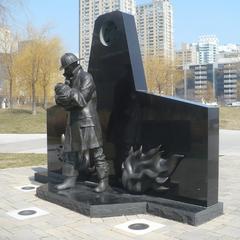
83, 137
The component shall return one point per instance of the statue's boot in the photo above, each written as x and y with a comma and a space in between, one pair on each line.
69, 182
101, 168
102, 186
70, 174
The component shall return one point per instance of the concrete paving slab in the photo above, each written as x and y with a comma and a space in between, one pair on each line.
62, 223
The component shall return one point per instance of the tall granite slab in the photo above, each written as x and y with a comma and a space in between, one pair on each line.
130, 116
56, 122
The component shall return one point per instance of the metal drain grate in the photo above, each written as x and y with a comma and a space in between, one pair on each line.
28, 188
138, 226
27, 212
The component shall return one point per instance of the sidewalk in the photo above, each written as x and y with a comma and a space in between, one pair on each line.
62, 223
23, 143
229, 142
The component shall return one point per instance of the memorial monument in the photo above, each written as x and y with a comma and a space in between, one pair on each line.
162, 151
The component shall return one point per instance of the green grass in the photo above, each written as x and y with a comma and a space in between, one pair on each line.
22, 121
14, 160
230, 118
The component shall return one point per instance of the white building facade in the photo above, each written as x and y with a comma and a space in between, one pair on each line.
155, 29
208, 49
6, 40
89, 11
228, 51
7, 46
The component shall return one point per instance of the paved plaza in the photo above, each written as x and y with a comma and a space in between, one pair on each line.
61, 223
23, 143
229, 142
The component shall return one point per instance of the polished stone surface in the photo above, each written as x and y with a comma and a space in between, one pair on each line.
56, 122
192, 130
132, 117
116, 202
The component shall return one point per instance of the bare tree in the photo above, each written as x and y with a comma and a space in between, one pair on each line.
37, 63
29, 61
162, 75
208, 95
6, 8
49, 67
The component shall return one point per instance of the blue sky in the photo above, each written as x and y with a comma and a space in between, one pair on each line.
191, 19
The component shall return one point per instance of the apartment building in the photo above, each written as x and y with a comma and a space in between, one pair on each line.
208, 49
219, 81
188, 54
228, 79
155, 28
203, 77
89, 11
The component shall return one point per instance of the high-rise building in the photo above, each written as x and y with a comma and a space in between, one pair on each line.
228, 73
188, 54
89, 11
207, 48
220, 81
155, 28
228, 79
204, 81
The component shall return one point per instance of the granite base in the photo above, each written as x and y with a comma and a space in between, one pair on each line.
115, 202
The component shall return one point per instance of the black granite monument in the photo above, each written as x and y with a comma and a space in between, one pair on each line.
177, 180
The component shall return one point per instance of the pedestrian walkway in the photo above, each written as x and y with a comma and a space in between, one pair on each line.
37, 143
23, 143
63, 224
229, 142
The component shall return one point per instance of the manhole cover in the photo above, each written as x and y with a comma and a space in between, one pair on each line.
138, 226
28, 188
27, 212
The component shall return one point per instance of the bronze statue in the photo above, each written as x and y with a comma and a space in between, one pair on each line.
83, 137
143, 172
